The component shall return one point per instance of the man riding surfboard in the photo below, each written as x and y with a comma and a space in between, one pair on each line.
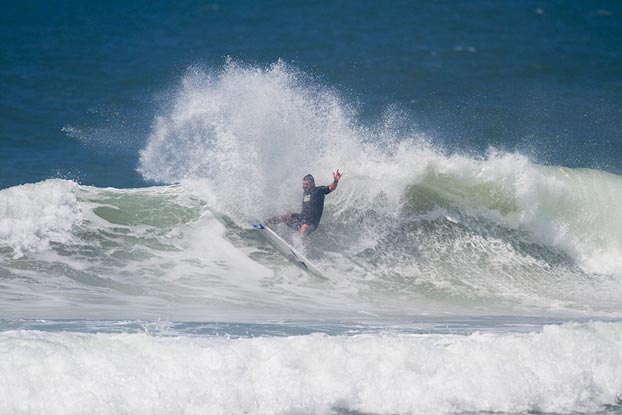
308, 219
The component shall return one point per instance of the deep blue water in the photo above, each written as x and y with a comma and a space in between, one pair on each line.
82, 83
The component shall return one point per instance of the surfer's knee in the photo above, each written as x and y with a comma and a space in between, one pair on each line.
306, 229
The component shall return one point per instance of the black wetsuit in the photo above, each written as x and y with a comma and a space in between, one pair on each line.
312, 208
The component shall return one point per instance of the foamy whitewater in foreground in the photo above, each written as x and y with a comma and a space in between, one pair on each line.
453, 284
563, 369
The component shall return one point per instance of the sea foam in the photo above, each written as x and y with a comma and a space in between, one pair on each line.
33, 215
568, 368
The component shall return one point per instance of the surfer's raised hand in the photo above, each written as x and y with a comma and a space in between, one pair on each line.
337, 175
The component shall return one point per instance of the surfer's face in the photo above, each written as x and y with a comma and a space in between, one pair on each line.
307, 184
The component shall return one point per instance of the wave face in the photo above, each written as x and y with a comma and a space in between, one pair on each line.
573, 368
410, 230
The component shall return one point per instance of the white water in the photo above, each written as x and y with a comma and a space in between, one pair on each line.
563, 369
33, 215
159, 252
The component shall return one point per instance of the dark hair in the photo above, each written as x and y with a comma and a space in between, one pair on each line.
308, 178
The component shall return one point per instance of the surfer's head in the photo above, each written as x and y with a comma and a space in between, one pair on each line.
308, 182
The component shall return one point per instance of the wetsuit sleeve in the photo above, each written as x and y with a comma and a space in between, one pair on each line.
324, 189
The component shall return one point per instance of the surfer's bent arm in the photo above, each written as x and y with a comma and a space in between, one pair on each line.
333, 185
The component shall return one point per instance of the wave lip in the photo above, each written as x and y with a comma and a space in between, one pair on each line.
568, 368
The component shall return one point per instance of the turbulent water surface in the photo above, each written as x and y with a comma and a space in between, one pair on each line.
473, 248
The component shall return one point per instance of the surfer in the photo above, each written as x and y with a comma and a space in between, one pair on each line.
308, 219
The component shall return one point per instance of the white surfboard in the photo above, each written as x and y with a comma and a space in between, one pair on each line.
290, 253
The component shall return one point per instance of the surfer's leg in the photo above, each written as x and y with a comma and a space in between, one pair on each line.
306, 229
279, 219
294, 221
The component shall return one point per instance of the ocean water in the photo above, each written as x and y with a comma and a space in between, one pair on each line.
473, 248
